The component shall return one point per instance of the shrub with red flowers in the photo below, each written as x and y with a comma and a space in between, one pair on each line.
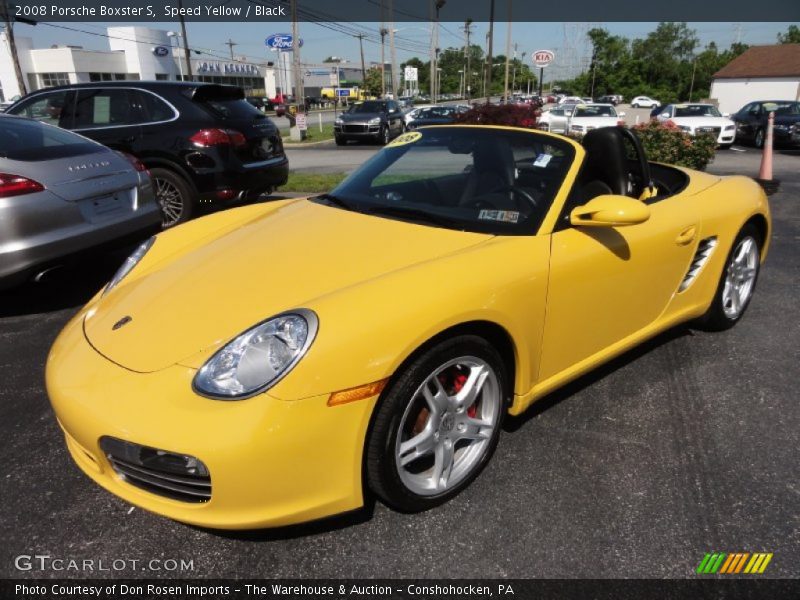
510, 115
666, 143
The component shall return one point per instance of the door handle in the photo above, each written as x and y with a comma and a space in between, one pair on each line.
686, 236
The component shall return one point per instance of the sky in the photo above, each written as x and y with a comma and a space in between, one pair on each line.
413, 39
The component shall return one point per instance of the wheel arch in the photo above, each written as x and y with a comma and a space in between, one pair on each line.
759, 221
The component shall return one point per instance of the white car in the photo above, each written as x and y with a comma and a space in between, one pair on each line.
586, 117
570, 100
701, 118
644, 102
556, 119
412, 114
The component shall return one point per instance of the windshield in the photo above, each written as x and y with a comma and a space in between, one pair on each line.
369, 107
697, 110
467, 178
783, 108
595, 111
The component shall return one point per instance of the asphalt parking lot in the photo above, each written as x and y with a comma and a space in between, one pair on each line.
688, 445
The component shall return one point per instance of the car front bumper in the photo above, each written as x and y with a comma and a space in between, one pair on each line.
271, 462
357, 130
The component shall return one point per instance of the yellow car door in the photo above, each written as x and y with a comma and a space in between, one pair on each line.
607, 283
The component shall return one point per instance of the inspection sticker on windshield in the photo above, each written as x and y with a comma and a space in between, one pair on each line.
405, 138
504, 216
542, 160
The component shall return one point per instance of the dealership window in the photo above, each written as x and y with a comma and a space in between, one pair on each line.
53, 79
2, 97
162, 77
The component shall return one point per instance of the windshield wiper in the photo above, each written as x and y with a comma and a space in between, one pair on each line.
414, 214
335, 201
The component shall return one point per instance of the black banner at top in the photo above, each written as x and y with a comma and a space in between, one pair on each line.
402, 10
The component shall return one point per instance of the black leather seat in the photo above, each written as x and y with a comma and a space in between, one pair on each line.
605, 170
493, 173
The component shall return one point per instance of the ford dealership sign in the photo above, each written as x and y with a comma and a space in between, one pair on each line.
161, 51
282, 42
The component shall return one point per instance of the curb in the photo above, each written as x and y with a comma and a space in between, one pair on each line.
291, 145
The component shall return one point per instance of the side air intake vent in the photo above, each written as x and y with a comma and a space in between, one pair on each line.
704, 250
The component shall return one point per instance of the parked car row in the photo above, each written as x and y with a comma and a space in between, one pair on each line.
579, 118
186, 145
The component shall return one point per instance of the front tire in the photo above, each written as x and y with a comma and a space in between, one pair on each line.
737, 283
340, 141
384, 136
174, 196
758, 140
437, 426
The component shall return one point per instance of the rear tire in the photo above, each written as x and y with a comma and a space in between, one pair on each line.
174, 196
437, 426
737, 282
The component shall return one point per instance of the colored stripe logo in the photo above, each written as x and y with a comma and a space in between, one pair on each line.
732, 563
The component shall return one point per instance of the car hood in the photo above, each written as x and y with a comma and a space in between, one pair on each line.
702, 121
282, 259
595, 121
359, 117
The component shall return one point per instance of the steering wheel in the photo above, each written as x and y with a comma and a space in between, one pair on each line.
521, 193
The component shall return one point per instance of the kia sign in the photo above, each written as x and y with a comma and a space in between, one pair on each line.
161, 51
282, 42
410, 74
542, 58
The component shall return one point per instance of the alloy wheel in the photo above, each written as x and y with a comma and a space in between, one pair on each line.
171, 201
740, 278
447, 427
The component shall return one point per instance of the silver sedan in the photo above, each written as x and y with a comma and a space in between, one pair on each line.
62, 194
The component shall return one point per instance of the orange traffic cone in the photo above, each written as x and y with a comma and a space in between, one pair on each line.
764, 178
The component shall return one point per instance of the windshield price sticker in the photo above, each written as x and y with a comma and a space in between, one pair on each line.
406, 138
502, 216
542, 160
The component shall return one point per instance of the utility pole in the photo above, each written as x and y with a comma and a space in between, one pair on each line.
487, 81
296, 75
691, 86
384, 31
395, 76
185, 42
230, 44
468, 53
508, 52
12, 47
360, 37
514, 71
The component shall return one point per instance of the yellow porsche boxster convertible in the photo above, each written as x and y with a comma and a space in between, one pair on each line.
275, 363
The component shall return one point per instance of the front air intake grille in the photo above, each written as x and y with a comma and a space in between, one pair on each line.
169, 474
704, 250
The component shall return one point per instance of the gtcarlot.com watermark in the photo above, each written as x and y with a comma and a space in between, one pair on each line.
46, 562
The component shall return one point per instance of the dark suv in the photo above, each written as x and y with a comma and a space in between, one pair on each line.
203, 143
376, 120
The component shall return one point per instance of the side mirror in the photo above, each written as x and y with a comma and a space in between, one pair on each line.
665, 115
726, 114
622, 114
610, 211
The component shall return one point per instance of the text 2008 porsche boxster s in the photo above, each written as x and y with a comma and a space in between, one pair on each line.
272, 363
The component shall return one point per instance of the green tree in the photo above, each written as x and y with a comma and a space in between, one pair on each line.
372, 82
792, 35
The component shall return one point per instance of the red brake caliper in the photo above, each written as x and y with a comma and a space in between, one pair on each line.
458, 382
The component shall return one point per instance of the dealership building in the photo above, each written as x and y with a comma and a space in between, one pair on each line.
759, 73
135, 53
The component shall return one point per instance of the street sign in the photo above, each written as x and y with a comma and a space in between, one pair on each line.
301, 121
282, 42
410, 74
542, 58
342, 93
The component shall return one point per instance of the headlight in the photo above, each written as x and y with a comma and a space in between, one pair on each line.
258, 358
129, 264
730, 127
375, 121
339, 120
685, 128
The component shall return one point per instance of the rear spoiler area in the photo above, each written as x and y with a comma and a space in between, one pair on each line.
211, 92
